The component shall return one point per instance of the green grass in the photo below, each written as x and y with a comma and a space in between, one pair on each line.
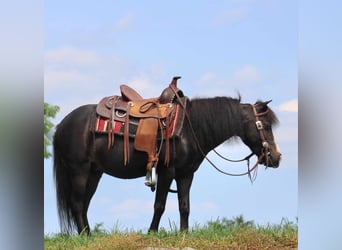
218, 234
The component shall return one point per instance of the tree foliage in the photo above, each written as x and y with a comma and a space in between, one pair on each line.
50, 111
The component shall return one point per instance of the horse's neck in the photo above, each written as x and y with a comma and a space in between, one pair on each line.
215, 120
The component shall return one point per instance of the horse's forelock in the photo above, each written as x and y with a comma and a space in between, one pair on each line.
271, 116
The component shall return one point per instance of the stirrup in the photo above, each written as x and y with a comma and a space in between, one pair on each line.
151, 178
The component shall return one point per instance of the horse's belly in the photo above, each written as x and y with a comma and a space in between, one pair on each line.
111, 162
125, 172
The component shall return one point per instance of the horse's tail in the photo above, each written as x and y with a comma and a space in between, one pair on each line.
62, 177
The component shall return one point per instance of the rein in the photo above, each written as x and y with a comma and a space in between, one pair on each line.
261, 133
225, 158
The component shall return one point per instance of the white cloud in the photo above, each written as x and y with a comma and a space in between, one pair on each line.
68, 69
212, 83
133, 208
125, 22
230, 16
132, 205
246, 74
204, 207
71, 55
144, 85
70, 66
59, 78
74, 77
210, 78
290, 106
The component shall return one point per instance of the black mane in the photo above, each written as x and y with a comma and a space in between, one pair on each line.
215, 118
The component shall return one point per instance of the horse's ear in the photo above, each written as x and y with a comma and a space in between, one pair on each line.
262, 105
267, 102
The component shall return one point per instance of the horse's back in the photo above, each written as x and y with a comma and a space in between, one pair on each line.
80, 114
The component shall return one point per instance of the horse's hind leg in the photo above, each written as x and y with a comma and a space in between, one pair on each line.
78, 198
93, 181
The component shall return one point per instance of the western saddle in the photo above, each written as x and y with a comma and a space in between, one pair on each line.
150, 116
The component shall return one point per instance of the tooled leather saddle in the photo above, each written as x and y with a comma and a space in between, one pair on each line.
146, 120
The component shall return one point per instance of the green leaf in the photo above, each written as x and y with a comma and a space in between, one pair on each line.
50, 111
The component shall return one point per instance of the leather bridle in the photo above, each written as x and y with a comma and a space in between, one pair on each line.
265, 152
260, 128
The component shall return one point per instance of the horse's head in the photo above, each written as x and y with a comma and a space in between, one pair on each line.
258, 136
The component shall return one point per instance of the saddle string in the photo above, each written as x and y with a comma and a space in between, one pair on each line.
161, 143
111, 125
126, 134
165, 138
205, 156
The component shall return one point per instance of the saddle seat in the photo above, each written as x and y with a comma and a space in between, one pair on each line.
130, 97
149, 115
168, 95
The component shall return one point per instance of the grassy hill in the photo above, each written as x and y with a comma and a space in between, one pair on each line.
218, 234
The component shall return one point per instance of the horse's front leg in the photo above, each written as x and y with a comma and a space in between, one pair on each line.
163, 185
183, 187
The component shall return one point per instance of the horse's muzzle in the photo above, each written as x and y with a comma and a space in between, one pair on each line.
272, 159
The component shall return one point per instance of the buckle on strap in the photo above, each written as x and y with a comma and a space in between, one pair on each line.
259, 125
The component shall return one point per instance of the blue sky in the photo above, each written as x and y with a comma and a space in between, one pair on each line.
220, 48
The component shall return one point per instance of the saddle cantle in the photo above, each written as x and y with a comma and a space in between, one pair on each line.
129, 94
147, 121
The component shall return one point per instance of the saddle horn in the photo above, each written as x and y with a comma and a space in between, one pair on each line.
168, 95
174, 80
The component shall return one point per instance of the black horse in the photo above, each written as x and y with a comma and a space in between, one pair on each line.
81, 156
